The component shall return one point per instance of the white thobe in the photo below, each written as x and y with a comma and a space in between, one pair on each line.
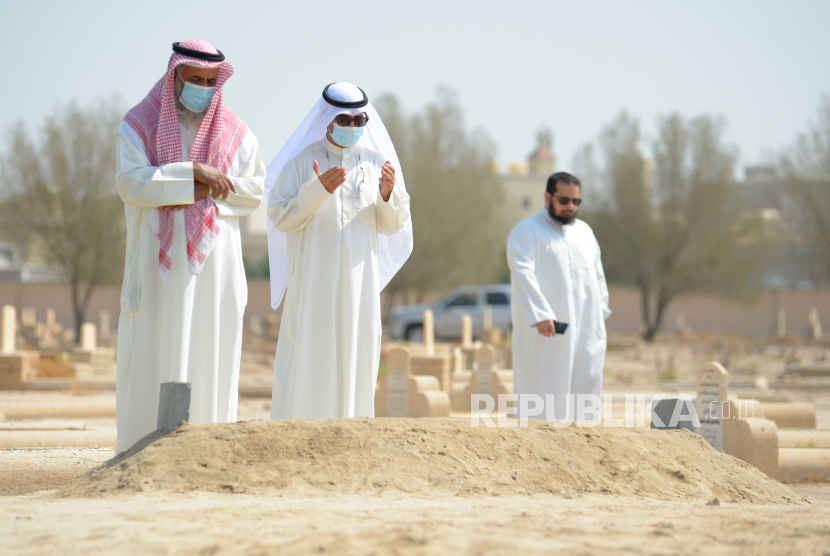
188, 329
329, 342
556, 274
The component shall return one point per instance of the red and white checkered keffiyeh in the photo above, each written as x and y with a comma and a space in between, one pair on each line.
156, 121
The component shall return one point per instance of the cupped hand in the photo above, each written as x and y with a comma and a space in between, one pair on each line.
331, 178
387, 180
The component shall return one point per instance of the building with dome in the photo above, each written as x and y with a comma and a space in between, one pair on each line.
524, 184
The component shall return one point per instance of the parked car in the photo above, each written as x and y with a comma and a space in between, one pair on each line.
407, 322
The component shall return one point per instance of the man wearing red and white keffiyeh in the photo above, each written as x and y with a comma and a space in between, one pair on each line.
187, 169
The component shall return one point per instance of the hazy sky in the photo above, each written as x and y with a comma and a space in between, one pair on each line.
515, 65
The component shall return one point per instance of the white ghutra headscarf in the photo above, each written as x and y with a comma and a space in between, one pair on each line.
393, 251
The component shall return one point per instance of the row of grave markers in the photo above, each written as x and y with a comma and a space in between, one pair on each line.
9, 328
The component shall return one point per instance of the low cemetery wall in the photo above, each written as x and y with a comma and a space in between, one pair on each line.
701, 313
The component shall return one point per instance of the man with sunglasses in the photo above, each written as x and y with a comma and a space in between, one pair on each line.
557, 278
341, 230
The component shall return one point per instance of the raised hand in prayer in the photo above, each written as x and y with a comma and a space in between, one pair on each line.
219, 183
387, 181
546, 328
331, 178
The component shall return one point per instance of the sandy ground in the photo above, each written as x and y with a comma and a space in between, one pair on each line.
230, 524
335, 520
403, 487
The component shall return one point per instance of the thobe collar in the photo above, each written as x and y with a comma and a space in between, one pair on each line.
189, 119
557, 225
339, 151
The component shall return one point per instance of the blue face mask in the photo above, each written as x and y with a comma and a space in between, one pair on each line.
346, 136
196, 97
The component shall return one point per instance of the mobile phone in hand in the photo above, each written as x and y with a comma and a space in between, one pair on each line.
560, 327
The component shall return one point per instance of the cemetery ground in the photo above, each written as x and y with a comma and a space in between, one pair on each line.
582, 506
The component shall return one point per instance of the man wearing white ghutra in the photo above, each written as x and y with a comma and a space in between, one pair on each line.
340, 231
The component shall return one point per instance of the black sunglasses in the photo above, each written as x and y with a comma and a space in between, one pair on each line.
565, 200
345, 121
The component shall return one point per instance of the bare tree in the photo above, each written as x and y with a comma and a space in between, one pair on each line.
59, 200
807, 170
456, 197
670, 226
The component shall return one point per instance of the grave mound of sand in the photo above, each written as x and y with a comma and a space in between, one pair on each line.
428, 457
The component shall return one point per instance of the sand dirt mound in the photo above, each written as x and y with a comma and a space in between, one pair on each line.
428, 457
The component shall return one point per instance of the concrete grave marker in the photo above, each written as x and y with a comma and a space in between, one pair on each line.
9, 329
397, 381
782, 323
815, 323
28, 317
105, 324
429, 332
255, 325
467, 331
487, 319
485, 358
174, 405
458, 359
712, 392
89, 337
680, 324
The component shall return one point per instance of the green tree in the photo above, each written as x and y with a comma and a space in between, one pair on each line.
59, 202
456, 197
672, 226
806, 168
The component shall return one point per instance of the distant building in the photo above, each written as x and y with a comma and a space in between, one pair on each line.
15, 267
524, 185
793, 260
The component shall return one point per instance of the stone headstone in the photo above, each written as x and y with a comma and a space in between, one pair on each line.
458, 359
255, 325
680, 324
429, 332
397, 381
782, 323
174, 405
50, 318
438, 366
815, 324
467, 331
105, 324
681, 408
712, 392
485, 358
487, 319
28, 317
89, 337
9, 329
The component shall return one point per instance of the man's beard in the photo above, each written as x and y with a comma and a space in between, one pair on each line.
564, 220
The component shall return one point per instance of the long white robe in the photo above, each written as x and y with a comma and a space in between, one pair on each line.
329, 343
556, 273
188, 329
